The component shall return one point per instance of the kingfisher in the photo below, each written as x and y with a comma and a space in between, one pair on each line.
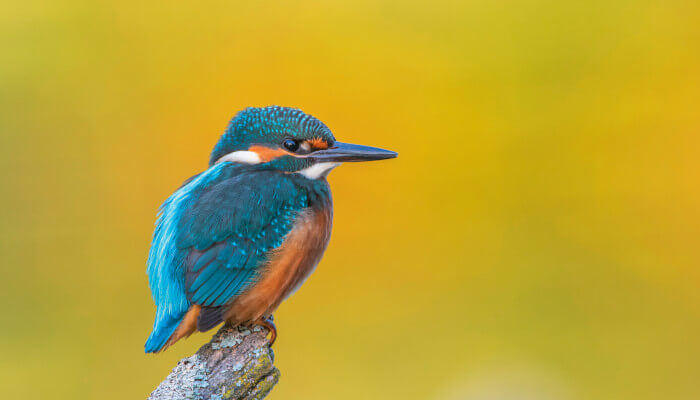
236, 240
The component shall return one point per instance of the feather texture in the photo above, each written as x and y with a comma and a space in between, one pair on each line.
165, 261
232, 226
214, 237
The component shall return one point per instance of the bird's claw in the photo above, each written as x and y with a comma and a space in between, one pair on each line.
268, 323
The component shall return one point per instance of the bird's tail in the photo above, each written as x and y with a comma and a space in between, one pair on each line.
163, 329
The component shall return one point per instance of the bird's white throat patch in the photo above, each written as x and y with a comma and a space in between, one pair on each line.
318, 170
241, 156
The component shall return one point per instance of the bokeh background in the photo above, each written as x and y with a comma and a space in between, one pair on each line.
537, 238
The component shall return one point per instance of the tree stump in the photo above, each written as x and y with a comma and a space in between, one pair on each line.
237, 363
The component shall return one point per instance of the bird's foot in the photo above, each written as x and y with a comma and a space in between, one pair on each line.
270, 326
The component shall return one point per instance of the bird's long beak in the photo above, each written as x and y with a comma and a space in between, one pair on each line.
346, 152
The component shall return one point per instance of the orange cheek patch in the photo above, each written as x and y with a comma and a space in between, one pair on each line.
267, 154
318, 143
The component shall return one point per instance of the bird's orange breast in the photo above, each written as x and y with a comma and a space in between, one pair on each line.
287, 268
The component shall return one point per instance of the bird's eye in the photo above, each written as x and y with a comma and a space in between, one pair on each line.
291, 145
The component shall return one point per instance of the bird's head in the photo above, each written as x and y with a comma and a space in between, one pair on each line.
290, 140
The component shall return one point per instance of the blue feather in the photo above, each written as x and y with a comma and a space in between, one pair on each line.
205, 276
165, 260
202, 261
209, 290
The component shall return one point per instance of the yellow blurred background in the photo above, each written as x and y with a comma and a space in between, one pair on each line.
537, 238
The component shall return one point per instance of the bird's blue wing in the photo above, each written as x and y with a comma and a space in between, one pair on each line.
230, 229
212, 238
165, 260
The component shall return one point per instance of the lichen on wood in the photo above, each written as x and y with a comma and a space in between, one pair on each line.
236, 364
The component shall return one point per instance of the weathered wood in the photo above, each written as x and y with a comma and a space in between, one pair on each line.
236, 364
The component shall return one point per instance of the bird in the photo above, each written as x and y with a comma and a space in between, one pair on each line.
236, 240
